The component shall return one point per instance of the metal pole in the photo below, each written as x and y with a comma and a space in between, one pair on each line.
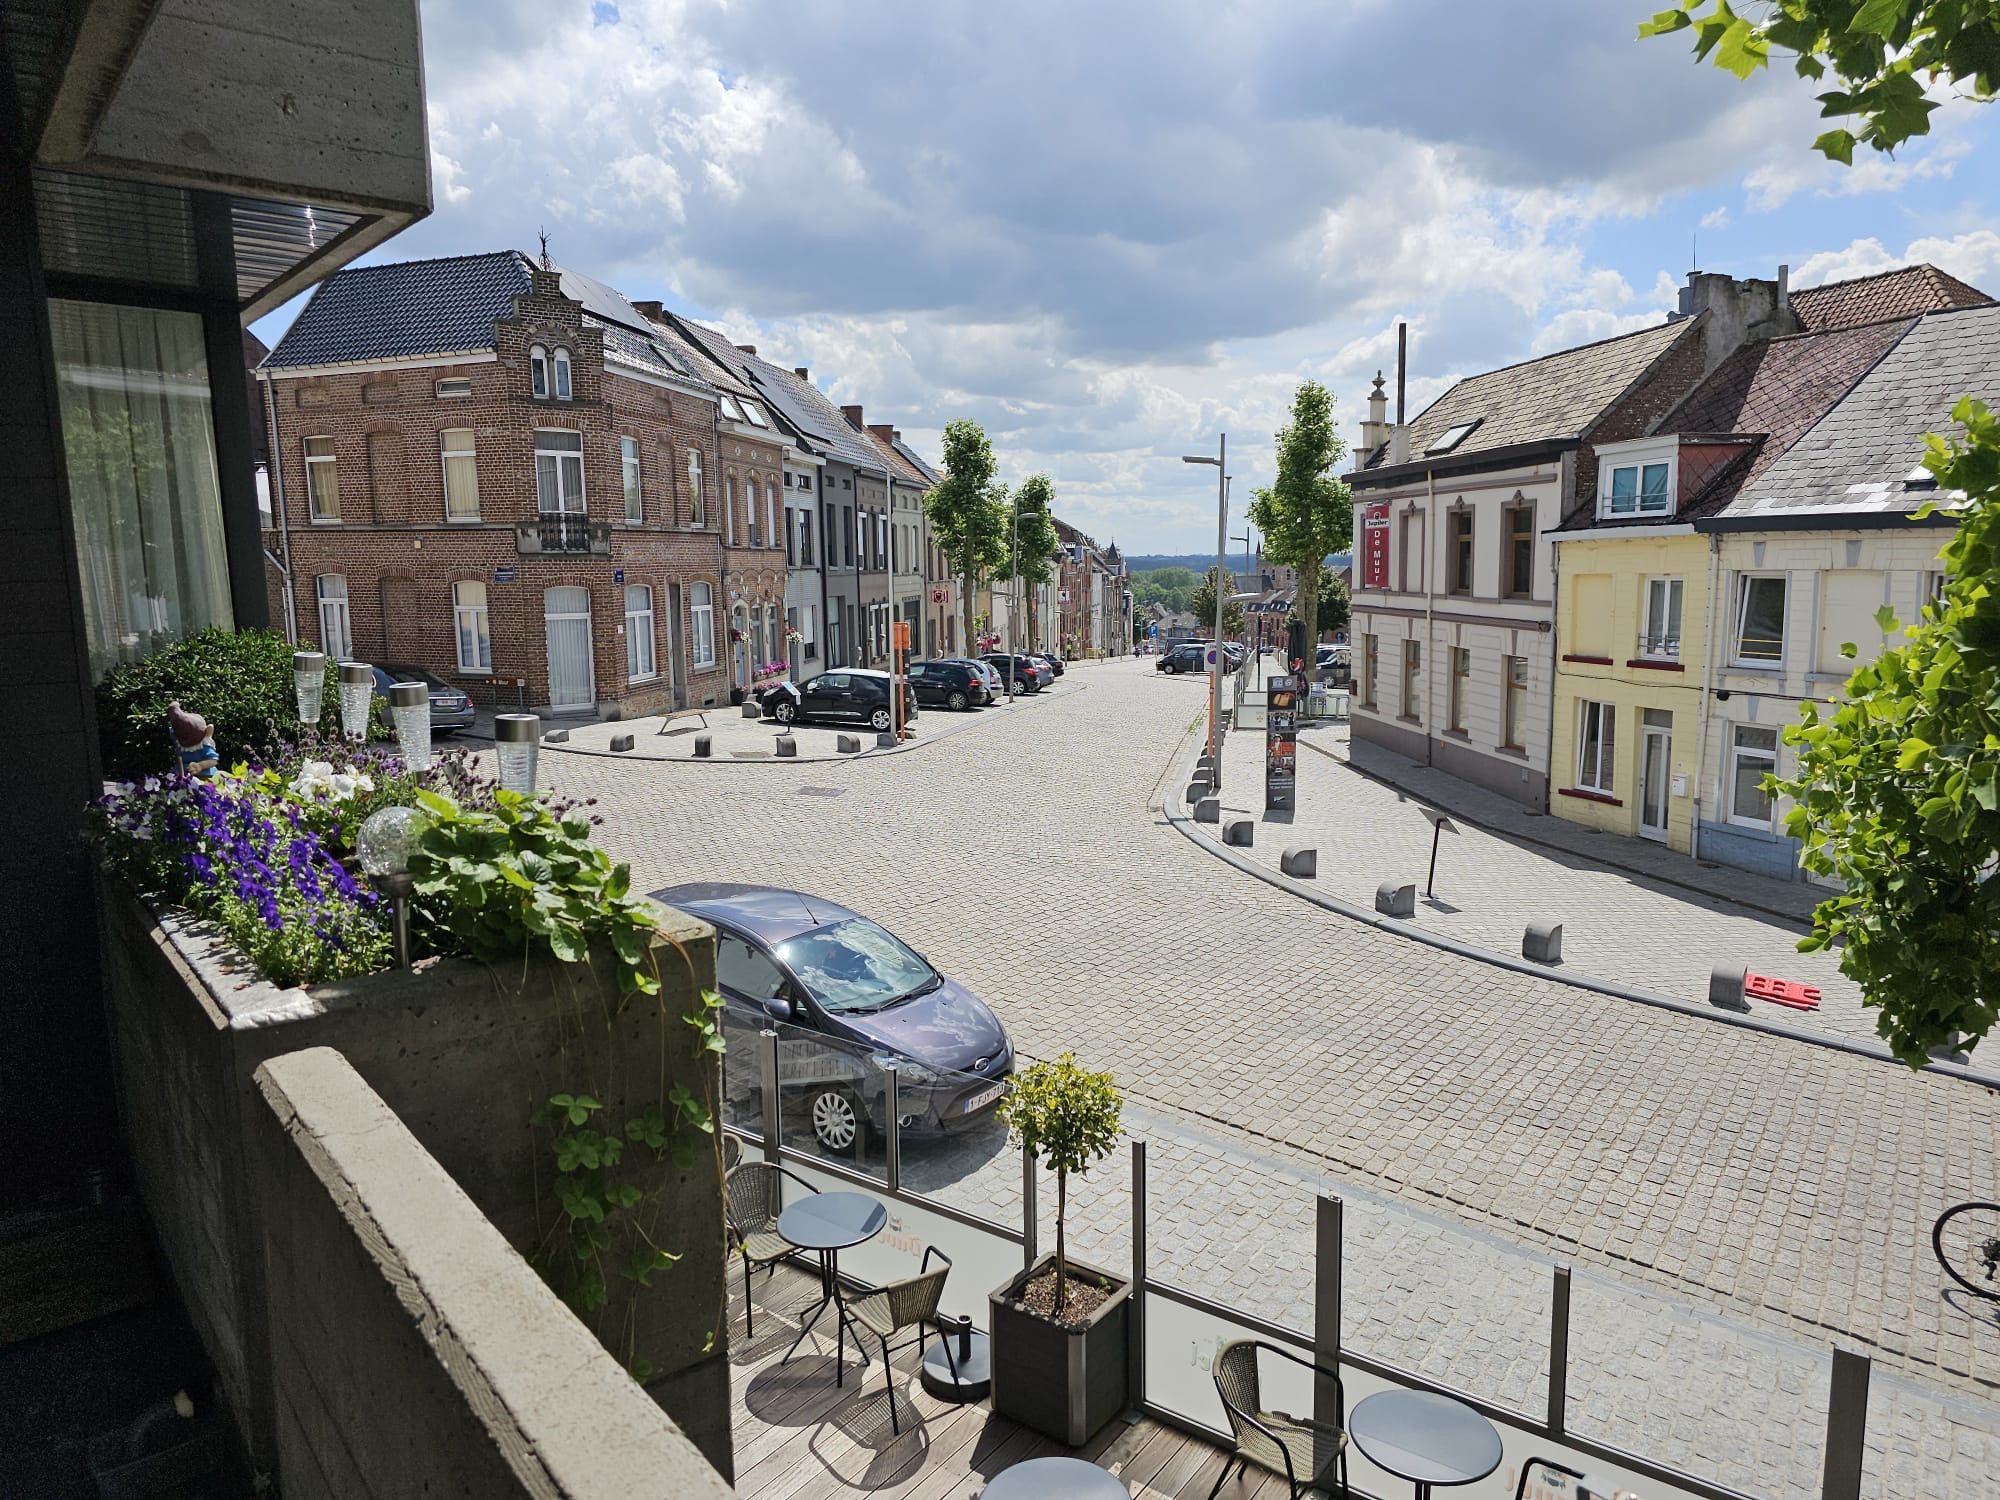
1559, 1350
1221, 564
1030, 1229
1437, 831
1846, 1425
768, 1057
1326, 1305
1135, 1366
895, 691
894, 1142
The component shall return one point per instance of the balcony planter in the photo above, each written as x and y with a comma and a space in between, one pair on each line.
1064, 1383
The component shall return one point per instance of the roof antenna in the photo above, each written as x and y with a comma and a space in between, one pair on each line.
547, 264
1694, 253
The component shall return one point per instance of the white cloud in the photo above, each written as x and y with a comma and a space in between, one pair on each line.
1716, 218
1972, 257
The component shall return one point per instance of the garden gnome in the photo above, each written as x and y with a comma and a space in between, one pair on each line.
194, 742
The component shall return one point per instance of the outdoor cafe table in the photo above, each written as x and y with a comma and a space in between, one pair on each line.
1425, 1438
826, 1224
1055, 1478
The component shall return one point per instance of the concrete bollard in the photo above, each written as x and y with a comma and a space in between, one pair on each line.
704, 745
1302, 863
1542, 943
1241, 832
1208, 810
1725, 987
751, 710
884, 740
556, 737
848, 744
788, 748
1198, 789
621, 742
1393, 900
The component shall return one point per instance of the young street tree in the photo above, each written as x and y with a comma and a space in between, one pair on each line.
1897, 793
1203, 607
1882, 52
967, 512
1031, 542
1307, 512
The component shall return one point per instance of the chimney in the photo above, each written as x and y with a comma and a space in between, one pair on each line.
1785, 287
882, 430
853, 415
652, 310
1375, 431
895, 434
1402, 366
1739, 312
747, 348
802, 372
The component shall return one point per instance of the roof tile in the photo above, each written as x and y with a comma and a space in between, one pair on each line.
1902, 293
404, 310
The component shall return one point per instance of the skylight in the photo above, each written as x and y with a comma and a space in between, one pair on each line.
1452, 436
730, 409
756, 416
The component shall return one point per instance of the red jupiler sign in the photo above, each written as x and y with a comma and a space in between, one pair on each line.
1375, 545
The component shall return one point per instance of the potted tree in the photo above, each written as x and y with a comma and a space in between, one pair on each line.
1060, 1327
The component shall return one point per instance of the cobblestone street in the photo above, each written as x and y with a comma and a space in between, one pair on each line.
1481, 1122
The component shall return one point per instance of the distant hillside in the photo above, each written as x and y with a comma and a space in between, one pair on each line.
1202, 562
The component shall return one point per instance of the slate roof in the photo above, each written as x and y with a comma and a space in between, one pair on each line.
1557, 396
798, 403
914, 460
1858, 459
642, 351
1902, 293
404, 310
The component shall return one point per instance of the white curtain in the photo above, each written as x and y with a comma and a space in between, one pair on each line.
143, 488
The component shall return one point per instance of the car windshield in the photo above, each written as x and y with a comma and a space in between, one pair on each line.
857, 966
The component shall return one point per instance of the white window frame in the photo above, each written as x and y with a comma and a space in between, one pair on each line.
772, 510
336, 620
629, 473
1743, 591
1513, 702
1410, 671
750, 498
470, 453
316, 463
729, 509
701, 621
808, 633
465, 612
1664, 645
1460, 682
560, 455
560, 360
1738, 753
640, 665
538, 372
697, 508
1637, 457
460, 388
1596, 747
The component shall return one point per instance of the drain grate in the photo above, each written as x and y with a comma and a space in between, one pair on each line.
821, 791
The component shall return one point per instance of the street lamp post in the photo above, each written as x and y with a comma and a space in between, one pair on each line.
1220, 461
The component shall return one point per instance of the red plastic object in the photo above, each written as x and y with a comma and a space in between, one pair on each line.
1781, 991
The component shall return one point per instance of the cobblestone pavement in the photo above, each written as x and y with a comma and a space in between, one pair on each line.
1717, 1176
1616, 925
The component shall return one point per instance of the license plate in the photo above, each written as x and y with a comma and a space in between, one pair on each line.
981, 1099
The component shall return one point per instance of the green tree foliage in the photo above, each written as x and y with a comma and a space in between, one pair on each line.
1171, 588
1897, 793
967, 511
1334, 607
1307, 512
1203, 605
1065, 1117
1032, 543
1881, 52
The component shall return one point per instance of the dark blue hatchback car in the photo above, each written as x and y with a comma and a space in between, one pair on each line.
846, 996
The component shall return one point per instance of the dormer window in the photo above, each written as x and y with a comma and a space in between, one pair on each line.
562, 374
1636, 479
538, 371
1637, 488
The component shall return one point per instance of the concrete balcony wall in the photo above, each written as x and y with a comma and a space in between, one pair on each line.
413, 1351
464, 1055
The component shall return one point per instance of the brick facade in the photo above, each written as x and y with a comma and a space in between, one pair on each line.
401, 556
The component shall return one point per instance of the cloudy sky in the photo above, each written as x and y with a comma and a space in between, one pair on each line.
1108, 231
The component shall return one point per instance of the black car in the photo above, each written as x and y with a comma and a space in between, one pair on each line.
1020, 671
1054, 659
451, 709
850, 695
948, 684
846, 996
1184, 656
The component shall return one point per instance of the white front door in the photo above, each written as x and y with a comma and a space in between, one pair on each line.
566, 612
1655, 761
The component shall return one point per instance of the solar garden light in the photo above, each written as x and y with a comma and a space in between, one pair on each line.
309, 683
516, 739
410, 711
385, 844
357, 697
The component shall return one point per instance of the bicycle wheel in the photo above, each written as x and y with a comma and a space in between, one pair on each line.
1967, 1242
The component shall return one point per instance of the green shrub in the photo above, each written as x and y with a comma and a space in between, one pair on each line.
238, 680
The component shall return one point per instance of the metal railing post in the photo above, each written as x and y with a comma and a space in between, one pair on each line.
767, 1057
1135, 1309
1846, 1425
1030, 1229
1326, 1306
1559, 1350
894, 1169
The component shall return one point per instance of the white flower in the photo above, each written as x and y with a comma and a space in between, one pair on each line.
314, 776
347, 784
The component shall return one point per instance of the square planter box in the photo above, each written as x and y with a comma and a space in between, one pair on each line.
1064, 1383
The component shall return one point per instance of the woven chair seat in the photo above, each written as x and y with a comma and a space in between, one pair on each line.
873, 1313
767, 1245
1313, 1446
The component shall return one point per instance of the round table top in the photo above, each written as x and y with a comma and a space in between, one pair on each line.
1056, 1479
1426, 1438
832, 1221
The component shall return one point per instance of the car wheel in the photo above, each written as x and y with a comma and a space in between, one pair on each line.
836, 1122
957, 702
879, 721
786, 711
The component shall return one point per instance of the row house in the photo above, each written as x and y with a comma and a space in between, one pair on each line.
1093, 591
497, 472
910, 553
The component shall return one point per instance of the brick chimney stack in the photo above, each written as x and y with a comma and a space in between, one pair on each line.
652, 310
882, 430
853, 415
802, 372
750, 349
1739, 312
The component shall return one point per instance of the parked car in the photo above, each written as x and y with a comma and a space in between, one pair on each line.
1027, 677
451, 709
1043, 659
996, 685
1335, 665
948, 684
1055, 661
851, 694
847, 996
1183, 656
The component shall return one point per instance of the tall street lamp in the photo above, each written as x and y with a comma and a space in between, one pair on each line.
1221, 545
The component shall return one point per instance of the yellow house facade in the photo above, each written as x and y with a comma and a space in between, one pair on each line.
1631, 629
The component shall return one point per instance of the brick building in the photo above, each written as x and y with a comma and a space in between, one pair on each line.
503, 474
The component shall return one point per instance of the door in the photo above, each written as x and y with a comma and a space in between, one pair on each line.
566, 615
1655, 762
676, 646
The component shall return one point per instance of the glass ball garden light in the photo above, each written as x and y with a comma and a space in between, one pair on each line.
387, 841
309, 683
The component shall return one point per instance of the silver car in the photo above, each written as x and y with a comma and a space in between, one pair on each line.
451, 709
